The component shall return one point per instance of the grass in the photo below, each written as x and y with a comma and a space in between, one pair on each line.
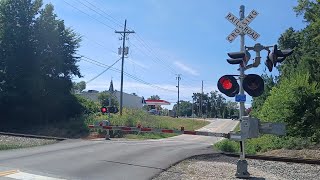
265, 143
133, 117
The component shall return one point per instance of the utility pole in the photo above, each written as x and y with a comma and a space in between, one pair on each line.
123, 33
178, 78
201, 100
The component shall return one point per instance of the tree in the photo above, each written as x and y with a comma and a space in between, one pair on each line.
257, 102
185, 108
154, 97
103, 98
78, 87
37, 62
295, 97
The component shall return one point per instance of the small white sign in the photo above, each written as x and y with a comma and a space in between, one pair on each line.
242, 26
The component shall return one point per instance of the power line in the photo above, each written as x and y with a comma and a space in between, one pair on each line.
87, 59
114, 20
89, 15
145, 45
103, 72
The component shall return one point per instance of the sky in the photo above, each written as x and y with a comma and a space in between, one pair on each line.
171, 37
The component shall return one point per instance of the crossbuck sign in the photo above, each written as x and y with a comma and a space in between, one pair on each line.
242, 26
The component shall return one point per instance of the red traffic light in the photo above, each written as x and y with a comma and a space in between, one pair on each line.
104, 110
228, 85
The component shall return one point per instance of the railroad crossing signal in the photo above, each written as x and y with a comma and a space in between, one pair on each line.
109, 109
242, 26
228, 85
253, 84
276, 56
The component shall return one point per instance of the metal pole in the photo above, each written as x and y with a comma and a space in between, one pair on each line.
242, 165
242, 107
201, 99
178, 94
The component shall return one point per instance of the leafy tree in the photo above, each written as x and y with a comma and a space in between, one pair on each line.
78, 87
154, 97
257, 102
37, 64
103, 98
296, 102
295, 98
185, 108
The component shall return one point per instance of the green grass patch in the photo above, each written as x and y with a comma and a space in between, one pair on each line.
265, 143
16, 144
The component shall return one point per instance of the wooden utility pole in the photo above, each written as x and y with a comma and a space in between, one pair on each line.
123, 33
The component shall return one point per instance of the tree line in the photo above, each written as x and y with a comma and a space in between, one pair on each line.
211, 105
293, 97
37, 63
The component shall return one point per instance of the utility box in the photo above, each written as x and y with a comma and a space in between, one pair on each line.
249, 127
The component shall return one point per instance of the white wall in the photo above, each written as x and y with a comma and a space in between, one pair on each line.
129, 100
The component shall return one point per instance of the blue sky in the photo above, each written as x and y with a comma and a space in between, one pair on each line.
172, 37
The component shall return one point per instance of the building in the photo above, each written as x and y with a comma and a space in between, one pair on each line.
129, 100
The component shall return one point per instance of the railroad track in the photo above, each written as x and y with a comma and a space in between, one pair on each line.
275, 158
33, 136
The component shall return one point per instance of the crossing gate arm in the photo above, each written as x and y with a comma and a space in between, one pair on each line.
156, 130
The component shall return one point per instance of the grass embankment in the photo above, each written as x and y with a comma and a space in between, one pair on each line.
272, 145
132, 117
266, 143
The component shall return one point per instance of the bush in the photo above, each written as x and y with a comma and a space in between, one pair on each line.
296, 102
265, 143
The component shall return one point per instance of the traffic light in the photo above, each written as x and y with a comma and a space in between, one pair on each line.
228, 85
113, 109
239, 57
277, 56
104, 110
253, 84
109, 109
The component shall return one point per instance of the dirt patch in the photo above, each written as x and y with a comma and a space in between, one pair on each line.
303, 153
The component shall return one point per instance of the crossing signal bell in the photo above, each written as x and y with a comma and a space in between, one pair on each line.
228, 85
253, 84
276, 56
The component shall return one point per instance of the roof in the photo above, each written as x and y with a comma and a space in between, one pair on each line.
157, 102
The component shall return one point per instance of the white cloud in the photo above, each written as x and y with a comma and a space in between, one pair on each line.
186, 68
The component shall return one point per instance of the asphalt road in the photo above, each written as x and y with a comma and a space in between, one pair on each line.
100, 159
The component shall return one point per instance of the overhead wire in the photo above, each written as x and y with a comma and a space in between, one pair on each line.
116, 22
103, 71
90, 16
90, 60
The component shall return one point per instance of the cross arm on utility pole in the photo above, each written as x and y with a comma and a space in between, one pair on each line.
124, 32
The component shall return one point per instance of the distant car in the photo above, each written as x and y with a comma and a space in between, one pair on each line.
234, 117
153, 112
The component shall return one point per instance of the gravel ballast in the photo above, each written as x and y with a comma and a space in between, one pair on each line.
13, 142
216, 166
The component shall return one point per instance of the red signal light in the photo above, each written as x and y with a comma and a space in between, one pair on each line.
226, 83
104, 109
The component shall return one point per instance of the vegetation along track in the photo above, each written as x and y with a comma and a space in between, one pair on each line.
32, 136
